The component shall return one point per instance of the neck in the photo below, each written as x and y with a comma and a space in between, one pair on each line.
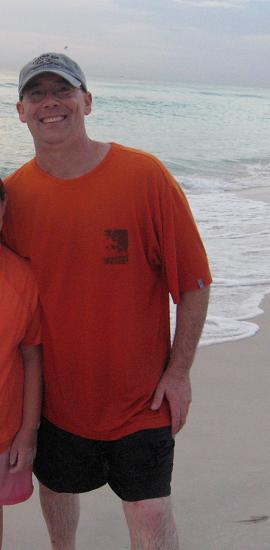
62, 161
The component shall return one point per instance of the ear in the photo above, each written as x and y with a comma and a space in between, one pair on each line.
87, 103
20, 111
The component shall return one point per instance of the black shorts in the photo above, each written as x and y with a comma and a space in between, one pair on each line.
137, 467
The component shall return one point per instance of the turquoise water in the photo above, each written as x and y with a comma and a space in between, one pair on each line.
215, 142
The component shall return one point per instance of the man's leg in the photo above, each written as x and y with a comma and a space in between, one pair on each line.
61, 512
151, 524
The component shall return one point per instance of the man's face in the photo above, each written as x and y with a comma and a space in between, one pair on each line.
54, 110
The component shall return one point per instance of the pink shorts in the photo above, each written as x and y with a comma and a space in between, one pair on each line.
14, 488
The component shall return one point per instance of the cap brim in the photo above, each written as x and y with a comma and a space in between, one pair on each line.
73, 81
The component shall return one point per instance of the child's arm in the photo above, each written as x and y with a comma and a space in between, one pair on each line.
23, 448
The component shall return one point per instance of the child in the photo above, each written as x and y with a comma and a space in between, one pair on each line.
20, 375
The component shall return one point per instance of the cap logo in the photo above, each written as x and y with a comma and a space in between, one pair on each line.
45, 59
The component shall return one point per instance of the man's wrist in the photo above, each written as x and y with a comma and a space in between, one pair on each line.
179, 370
29, 428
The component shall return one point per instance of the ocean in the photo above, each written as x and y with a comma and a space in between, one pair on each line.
214, 140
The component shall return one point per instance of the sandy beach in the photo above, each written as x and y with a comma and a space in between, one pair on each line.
221, 488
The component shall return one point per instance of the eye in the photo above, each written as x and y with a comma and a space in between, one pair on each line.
36, 94
63, 90
65, 87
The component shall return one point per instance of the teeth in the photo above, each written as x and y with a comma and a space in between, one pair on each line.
48, 120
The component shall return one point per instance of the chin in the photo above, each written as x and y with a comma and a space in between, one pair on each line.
50, 140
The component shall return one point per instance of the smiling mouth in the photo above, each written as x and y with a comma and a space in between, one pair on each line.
51, 119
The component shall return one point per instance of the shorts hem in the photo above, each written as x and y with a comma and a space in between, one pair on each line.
23, 498
73, 491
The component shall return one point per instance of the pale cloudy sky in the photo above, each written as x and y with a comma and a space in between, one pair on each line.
205, 41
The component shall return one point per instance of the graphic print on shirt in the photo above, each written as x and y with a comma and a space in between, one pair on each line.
116, 246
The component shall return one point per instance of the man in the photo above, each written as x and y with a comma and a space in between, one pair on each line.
109, 235
20, 375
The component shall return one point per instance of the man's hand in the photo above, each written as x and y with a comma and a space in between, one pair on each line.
174, 384
176, 388
23, 450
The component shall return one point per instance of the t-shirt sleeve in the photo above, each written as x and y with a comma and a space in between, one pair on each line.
33, 334
184, 260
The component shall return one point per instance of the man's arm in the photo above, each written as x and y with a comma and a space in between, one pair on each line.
24, 444
174, 384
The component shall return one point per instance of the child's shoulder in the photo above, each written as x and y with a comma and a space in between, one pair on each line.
16, 270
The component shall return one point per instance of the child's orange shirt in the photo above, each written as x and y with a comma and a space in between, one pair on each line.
19, 324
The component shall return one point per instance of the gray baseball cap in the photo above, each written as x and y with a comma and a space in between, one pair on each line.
52, 62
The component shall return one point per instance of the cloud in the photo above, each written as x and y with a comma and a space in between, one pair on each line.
220, 4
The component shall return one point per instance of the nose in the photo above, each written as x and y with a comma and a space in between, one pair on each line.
50, 99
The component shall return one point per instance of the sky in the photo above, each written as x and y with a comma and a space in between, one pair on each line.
223, 42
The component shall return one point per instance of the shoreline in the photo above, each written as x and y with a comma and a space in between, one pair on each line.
261, 194
251, 320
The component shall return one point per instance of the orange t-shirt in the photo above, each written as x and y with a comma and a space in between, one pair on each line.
19, 324
106, 248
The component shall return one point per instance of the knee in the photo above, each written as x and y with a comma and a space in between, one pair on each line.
147, 511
